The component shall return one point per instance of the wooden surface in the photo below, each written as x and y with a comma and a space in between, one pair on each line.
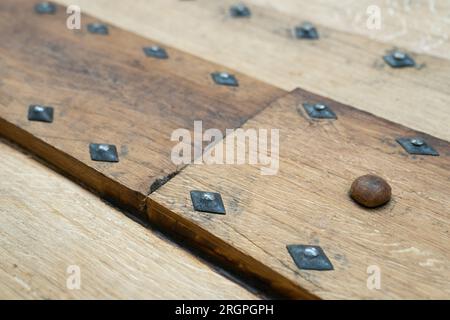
345, 64
307, 202
48, 223
104, 90
420, 26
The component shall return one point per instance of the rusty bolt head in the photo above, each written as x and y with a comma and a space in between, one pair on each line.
370, 191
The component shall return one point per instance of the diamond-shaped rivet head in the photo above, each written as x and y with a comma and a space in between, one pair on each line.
225, 79
103, 152
306, 31
40, 113
240, 11
309, 257
399, 59
156, 52
319, 111
209, 202
98, 28
417, 146
45, 8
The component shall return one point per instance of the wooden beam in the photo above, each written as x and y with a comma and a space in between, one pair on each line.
307, 202
345, 64
48, 224
105, 90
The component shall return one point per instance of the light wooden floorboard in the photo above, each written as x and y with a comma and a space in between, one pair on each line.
48, 223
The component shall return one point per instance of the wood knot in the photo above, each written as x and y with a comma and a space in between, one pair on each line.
370, 191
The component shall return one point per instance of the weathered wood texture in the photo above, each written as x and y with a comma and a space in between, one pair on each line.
105, 90
345, 64
420, 26
48, 223
307, 202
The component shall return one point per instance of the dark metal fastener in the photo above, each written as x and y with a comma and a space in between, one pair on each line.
45, 8
98, 28
156, 52
309, 257
319, 111
417, 146
240, 11
225, 79
399, 59
103, 152
210, 202
306, 31
40, 113
370, 191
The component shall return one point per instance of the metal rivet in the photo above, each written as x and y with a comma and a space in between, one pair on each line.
40, 113
417, 142
306, 31
370, 191
417, 146
319, 111
103, 147
98, 28
399, 59
239, 11
209, 196
320, 107
311, 252
103, 152
156, 52
307, 26
399, 55
45, 8
209, 202
225, 79
308, 257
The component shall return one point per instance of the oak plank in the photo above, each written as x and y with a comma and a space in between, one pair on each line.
419, 26
104, 90
48, 223
345, 65
307, 202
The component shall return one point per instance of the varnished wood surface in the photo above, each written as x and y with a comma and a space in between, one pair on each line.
48, 223
307, 202
105, 90
345, 64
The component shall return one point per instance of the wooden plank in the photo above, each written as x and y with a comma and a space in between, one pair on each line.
345, 64
419, 26
307, 202
48, 223
105, 90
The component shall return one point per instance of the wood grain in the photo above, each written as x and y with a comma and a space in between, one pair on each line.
104, 90
419, 26
48, 223
307, 202
346, 64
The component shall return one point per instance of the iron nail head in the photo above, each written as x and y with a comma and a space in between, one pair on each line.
209, 202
